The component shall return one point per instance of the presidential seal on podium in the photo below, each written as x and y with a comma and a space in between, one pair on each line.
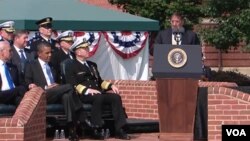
177, 57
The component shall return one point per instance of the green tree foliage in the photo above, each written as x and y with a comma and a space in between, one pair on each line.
232, 18
161, 10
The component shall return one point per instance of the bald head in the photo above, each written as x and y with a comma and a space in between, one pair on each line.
5, 51
4, 44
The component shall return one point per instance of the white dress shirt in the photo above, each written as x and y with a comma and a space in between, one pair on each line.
5, 85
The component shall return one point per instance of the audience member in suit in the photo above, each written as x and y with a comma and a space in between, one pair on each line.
44, 35
84, 76
7, 31
11, 92
40, 73
21, 55
65, 40
173, 34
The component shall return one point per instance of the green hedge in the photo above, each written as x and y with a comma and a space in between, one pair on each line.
231, 76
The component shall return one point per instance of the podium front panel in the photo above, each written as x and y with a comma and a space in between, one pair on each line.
163, 69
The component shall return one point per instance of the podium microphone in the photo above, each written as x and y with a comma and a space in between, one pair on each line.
178, 34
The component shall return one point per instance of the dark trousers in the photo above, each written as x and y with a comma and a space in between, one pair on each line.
13, 96
63, 94
98, 100
201, 115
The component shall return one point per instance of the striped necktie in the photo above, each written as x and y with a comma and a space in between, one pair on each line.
49, 73
23, 59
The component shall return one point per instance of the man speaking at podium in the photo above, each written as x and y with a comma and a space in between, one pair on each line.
177, 82
177, 34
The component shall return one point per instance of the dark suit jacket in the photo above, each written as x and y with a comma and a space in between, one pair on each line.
34, 74
14, 73
57, 58
12, 96
32, 44
188, 37
206, 73
17, 61
86, 76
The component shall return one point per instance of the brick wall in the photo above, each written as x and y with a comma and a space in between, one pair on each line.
28, 122
139, 98
102, 3
225, 105
233, 58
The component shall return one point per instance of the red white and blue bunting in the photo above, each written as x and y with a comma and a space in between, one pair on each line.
92, 37
126, 43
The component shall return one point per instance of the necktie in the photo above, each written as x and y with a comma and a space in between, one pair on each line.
91, 69
49, 73
85, 63
9, 79
70, 56
22, 57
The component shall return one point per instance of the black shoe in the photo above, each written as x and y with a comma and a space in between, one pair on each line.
73, 134
87, 123
98, 135
122, 135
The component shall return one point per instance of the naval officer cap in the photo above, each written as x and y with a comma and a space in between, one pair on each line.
45, 22
8, 26
67, 36
80, 42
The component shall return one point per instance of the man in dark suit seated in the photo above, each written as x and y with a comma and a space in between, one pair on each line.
84, 76
21, 55
39, 73
173, 34
11, 92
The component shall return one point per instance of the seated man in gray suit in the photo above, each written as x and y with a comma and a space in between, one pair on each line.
40, 73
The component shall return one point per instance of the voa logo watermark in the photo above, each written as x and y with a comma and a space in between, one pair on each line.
236, 132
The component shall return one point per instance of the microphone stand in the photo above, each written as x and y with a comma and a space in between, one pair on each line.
177, 38
178, 34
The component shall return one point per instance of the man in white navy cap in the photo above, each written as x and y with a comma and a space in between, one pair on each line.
65, 40
7, 31
44, 35
85, 78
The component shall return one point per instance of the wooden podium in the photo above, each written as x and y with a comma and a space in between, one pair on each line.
177, 86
